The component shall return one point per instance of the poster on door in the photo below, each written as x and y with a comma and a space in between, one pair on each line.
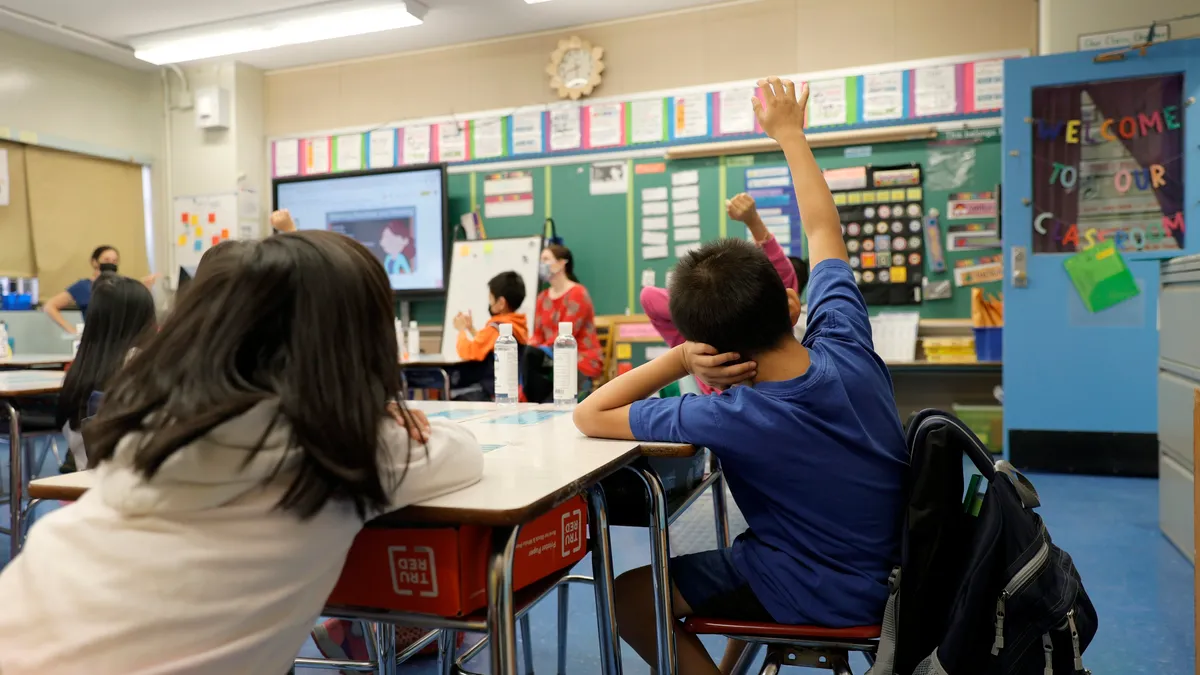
1108, 165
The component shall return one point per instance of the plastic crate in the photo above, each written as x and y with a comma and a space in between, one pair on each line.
986, 421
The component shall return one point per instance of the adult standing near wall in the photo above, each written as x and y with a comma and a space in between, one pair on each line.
566, 300
104, 259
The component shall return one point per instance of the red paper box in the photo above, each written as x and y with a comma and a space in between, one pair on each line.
443, 571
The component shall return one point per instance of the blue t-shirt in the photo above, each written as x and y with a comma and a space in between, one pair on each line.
816, 464
81, 293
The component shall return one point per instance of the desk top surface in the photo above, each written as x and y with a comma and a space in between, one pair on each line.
534, 459
431, 361
30, 382
30, 360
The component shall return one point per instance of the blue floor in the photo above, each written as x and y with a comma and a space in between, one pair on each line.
1141, 585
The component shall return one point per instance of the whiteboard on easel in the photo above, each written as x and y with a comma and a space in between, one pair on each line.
472, 266
198, 224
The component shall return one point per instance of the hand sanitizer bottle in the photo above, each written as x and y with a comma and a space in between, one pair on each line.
507, 385
414, 341
566, 367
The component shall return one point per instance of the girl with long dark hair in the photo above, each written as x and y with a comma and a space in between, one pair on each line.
237, 455
122, 316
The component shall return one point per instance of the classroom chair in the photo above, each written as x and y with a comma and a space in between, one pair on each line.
39, 436
802, 646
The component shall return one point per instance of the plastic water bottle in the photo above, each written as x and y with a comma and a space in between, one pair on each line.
414, 341
6, 343
507, 390
566, 367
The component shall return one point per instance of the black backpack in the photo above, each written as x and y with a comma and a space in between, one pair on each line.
985, 594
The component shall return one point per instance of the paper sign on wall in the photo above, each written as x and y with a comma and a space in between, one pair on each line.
883, 96
827, 102
606, 125
5, 189
736, 112
381, 148
488, 137
989, 85
416, 144
936, 91
287, 158
349, 152
528, 133
647, 122
317, 159
565, 129
691, 115
452, 141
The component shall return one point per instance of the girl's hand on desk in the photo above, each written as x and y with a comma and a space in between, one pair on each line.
414, 421
719, 371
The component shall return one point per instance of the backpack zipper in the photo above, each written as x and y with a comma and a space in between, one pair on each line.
1015, 584
1075, 640
1048, 650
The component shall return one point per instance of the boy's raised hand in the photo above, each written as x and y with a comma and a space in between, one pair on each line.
741, 208
281, 221
780, 111
719, 371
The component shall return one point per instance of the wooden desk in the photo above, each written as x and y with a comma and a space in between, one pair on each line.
24, 361
16, 384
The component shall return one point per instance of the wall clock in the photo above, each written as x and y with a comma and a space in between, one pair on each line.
575, 68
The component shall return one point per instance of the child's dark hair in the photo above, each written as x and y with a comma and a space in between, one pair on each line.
301, 320
729, 296
511, 287
561, 252
120, 317
801, 267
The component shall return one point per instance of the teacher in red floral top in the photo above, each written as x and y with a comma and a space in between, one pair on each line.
565, 300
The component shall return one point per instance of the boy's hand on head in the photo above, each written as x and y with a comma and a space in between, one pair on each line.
719, 371
780, 112
281, 221
741, 208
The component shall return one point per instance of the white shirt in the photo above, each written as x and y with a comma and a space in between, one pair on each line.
196, 571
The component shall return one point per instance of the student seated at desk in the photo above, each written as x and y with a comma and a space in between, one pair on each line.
237, 456
811, 447
506, 292
122, 317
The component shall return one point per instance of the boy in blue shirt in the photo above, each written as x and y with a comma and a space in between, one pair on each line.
812, 447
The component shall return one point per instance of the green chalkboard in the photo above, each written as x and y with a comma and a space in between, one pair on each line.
605, 233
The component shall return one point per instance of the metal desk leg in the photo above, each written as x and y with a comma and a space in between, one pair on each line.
660, 554
501, 614
445, 382
720, 511
447, 651
602, 573
385, 633
16, 479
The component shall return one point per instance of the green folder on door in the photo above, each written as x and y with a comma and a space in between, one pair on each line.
1101, 277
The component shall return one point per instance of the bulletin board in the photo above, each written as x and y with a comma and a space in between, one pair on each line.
199, 223
605, 231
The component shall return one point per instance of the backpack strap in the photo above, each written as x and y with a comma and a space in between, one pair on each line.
885, 653
1025, 490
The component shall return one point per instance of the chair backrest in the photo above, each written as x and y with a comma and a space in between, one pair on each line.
605, 332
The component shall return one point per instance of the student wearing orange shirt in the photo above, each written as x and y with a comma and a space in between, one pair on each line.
506, 292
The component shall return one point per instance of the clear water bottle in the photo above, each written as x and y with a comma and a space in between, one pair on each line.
566, 367
414, 341
507, 390
401, 347
6, 342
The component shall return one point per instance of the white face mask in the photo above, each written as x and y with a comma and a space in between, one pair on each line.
544, 272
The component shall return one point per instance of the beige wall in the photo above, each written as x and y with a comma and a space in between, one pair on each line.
84, 104
1063, 21
712, 45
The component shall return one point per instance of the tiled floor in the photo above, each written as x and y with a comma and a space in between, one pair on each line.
1141, 585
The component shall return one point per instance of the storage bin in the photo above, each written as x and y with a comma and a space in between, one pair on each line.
989, 343
986, 421
949, 350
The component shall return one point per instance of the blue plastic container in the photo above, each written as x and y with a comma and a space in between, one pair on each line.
989, 344
17, 302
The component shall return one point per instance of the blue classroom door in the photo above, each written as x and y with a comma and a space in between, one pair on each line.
1080, 386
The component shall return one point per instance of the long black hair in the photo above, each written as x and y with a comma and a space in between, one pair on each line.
120, 317
304, 320
561, 252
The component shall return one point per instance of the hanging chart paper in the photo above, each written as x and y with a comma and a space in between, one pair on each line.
647, 121
318, 155
736, 112
565, 129
287, 158
489, 138
827, 102
5, 189
381, 148
508, 194
452, 141
416, 144
606, 125
691, 115
883, 96
989, 85
936, 91
349, 152
528, 133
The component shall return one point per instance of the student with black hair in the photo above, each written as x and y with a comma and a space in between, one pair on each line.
104, 259
122, 317
812, 448
237, 455
506, 292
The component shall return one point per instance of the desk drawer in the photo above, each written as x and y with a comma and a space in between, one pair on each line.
1180, 323
1175, 505
1176, 401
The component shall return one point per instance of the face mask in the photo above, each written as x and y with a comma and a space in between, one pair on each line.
108, 267
492, 310
544, 272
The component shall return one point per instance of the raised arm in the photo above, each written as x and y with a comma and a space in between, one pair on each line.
743, 209
781, 115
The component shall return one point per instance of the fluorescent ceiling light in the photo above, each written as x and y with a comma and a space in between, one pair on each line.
324, 21
535, 2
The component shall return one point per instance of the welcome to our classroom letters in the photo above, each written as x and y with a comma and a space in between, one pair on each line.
1112, 128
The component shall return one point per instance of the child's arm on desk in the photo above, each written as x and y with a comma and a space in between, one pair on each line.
605, 414
781, 116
